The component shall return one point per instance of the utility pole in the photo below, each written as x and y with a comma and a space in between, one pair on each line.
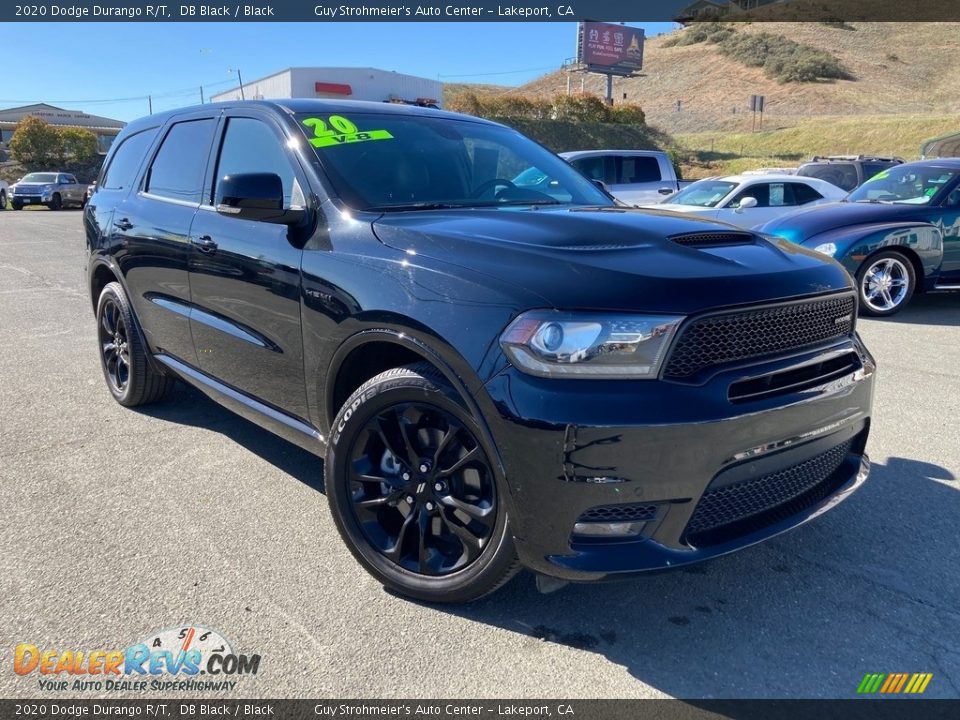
150, 103
201, 94
239, 79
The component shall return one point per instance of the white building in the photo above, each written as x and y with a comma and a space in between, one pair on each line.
340, 83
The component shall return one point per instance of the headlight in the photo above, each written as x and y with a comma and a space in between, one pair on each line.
827, 249
558, 344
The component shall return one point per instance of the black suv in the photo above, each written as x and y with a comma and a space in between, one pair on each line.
496, 375
847, 172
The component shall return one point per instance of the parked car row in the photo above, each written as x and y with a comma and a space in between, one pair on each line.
897, 232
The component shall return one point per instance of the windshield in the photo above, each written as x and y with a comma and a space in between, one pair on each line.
903, 184
40, 178
703, 193
392, 162
843, 175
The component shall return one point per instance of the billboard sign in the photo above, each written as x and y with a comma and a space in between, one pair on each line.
609, 48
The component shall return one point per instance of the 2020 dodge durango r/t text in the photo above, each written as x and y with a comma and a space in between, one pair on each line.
496, 377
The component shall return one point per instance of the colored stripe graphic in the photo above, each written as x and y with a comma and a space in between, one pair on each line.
894, 683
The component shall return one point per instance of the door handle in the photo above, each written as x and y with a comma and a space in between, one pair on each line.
205, 243
123, 224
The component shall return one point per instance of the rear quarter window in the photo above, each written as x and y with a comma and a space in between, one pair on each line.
178, 168
122, 170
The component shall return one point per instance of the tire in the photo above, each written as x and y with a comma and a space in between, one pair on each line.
16, 205
452, 537
126, 367
3, 199
885, 283
57, 202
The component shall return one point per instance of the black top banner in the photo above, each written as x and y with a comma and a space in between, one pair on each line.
684, 11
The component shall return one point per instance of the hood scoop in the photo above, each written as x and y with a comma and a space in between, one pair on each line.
713, 239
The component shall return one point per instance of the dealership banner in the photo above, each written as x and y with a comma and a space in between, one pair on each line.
684, 11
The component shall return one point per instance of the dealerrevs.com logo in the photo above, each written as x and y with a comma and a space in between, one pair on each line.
190, 658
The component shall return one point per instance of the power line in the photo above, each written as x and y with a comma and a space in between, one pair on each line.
183, 92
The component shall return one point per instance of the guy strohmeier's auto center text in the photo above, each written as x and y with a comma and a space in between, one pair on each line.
263, 11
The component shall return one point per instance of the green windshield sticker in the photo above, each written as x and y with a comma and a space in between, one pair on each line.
931, 192
880, 176
340, 131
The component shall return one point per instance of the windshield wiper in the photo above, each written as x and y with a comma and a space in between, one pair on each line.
417, 206
528, 202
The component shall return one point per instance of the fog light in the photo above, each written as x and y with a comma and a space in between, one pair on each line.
611, 529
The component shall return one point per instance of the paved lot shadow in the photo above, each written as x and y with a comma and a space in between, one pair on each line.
187, 406
942, 308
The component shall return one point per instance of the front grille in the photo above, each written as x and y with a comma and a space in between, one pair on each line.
729, 337
635, 512
713, 239
731, 510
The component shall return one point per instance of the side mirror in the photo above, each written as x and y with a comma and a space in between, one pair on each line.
747, 203
255, 196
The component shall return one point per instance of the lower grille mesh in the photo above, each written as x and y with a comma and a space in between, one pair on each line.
619, 513
731, 510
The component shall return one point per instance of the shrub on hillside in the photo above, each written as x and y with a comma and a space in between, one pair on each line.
781, 58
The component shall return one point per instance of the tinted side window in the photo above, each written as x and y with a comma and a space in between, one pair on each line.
592, 167
250, 146
634, 169
843, 175
177, 170
122, 170
759, 191
803, 194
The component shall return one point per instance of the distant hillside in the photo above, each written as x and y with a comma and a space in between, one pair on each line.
897, 69
451, 91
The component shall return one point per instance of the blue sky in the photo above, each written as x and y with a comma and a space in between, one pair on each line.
80, 65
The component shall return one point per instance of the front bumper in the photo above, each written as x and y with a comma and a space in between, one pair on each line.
655, 450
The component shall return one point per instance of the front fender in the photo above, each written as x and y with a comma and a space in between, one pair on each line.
922, 242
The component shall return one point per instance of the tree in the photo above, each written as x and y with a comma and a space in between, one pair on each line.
36, 144
79, 145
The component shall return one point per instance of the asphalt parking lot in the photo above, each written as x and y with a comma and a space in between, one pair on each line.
117, 523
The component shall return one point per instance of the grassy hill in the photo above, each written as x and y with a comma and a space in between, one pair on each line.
721, 152
897, 69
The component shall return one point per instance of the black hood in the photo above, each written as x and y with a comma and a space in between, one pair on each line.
613, 258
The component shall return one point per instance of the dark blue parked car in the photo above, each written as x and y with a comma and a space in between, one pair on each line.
897, 234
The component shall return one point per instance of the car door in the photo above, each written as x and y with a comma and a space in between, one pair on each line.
245, 274
116, 181
950, 224
151, 233
773, 198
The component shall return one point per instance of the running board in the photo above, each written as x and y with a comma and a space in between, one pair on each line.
279, 423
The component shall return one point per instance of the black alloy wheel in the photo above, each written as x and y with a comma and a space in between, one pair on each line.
415, 495
126, 367
423, 491
114, 345
57, 202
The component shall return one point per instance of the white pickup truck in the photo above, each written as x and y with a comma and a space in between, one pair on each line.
636, 177
52, 189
